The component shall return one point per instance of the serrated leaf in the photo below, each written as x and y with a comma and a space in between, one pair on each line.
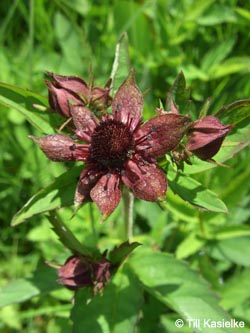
115, 311
119, 253
235, 112
22, 100
59, 193
194, 192
176, 285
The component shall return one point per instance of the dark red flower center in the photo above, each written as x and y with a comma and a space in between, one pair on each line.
111, 143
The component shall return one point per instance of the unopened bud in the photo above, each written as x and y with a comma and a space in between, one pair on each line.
205, 137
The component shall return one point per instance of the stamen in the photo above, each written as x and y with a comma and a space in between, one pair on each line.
118, 108
108, 176
153, 129
91, 177
110, 144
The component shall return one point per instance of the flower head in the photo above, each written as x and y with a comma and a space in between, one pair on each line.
118, 149
205, 137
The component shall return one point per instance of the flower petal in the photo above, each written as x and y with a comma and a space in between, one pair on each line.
88, 179
160, 134
59, 147
210, 124
128, 102
72, 83
107, 194
146, 181
84, 121
59, 99
207, 151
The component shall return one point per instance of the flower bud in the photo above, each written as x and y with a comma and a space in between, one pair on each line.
101, 274
78, 273
75, 273
64, 89
205, 137
67, 90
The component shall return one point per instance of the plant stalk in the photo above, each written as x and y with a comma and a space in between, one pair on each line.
128, 208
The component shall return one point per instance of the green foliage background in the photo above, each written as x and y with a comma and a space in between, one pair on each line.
209, 41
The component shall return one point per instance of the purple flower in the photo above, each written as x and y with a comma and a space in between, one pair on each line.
119, 149
205, 137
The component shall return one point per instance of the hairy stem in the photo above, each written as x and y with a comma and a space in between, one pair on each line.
128, 207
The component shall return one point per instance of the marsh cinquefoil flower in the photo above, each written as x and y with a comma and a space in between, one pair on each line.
119, 149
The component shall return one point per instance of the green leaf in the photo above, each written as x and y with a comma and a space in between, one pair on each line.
121, 63
236, 250
190, 245
217, 54
231, 66
180, 208
229, 231
178, 95
17, 291
217, 14
58, 194
194, 192
119, 253
235, 112
177, 286
22, 100
234, 291
196, 10
43, 281
243, 12
115, 311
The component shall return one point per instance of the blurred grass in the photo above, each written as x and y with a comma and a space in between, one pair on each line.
209, 40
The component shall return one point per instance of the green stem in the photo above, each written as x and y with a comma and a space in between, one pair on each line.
66, 236
128, 207
92, 219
